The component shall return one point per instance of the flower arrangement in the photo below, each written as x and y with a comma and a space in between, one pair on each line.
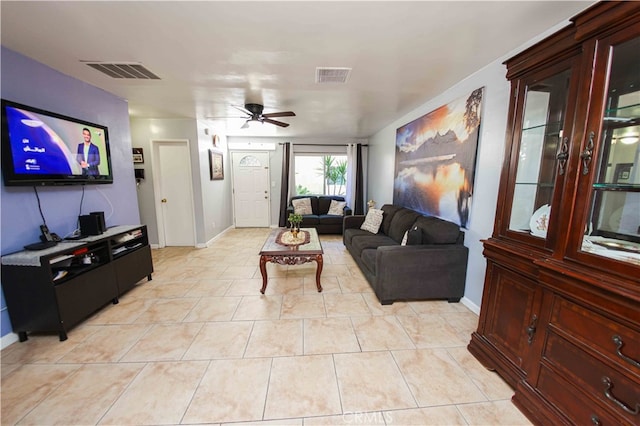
295, 218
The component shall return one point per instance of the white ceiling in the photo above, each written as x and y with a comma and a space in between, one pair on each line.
211, 55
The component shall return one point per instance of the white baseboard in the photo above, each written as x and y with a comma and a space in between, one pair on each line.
472, 306
208, 243
8, 339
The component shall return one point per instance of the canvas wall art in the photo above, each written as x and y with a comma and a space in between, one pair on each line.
435, 160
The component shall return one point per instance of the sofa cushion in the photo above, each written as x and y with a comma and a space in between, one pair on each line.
337, 208
437, 231
330, 219
302, 206
368, 258
389, 210
349, 233
324, 202
309, 221
373, 221
401, 222
363, 242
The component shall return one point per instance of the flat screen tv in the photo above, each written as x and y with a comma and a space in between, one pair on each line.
44, 148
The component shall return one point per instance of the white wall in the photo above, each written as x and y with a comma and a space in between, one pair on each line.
211, 198
216, 195
491, 146
488, 165
275, 161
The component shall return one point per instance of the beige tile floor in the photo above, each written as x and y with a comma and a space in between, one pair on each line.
199, 345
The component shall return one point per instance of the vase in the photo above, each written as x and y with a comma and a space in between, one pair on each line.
295, 229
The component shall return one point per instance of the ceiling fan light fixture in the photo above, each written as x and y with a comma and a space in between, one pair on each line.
251, 123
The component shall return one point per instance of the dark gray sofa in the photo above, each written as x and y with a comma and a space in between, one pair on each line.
433, 264
323, 222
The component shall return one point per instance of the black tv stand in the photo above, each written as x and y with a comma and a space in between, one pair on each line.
54, 289
75, 237
41, 245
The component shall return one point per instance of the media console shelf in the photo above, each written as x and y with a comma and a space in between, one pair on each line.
56, 288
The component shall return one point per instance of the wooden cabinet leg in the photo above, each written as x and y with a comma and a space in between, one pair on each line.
63, 336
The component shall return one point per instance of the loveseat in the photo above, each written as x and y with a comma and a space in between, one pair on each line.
319, 218
432, 264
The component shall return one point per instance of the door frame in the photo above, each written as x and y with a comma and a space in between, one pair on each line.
157, 196
233, 182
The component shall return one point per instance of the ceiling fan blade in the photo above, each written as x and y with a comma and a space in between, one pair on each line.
277, 123
279, 114
242, 109
245, 125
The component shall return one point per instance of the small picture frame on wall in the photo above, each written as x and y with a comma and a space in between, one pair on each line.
216, 171
138, 156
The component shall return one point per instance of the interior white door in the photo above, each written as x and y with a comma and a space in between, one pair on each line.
175, 193
251, 190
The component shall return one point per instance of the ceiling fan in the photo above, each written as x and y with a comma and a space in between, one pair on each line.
254, 113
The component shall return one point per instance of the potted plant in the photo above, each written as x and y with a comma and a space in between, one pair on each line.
295, 219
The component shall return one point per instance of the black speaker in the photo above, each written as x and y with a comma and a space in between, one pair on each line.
100, 216
90, 224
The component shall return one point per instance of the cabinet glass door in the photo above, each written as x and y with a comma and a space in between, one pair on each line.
613, 218
541, 147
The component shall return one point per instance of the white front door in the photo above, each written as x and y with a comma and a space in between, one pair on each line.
251, 190
174, 195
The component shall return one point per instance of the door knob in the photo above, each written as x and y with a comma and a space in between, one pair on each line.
164, 200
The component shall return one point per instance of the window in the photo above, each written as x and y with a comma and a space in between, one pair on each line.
320, 174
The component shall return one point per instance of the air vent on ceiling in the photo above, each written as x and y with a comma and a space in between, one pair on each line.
124, 70
332, 74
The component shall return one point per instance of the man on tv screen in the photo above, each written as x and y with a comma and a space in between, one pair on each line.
88, 155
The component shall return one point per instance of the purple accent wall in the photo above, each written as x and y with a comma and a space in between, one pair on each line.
32, 83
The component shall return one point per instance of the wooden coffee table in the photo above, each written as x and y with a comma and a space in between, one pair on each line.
278, 250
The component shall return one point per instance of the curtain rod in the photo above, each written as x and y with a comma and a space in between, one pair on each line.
319, 144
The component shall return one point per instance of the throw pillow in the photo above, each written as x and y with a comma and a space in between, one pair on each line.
404, 238
373, 221
414, 236
302, 206
337, 207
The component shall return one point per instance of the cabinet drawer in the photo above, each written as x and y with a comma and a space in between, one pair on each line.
618, 343
81, 296
594, 377
575, 405
132, 267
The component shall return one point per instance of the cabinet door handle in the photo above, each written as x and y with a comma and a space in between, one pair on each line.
608, 386
587, 154
563, 155
619, 344
595, 420
531, 330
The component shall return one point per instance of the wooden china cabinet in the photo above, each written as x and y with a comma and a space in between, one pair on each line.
560, 316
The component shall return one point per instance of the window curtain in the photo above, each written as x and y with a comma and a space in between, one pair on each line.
285, 183
355, 178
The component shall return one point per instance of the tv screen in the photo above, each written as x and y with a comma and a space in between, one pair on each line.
45, 148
